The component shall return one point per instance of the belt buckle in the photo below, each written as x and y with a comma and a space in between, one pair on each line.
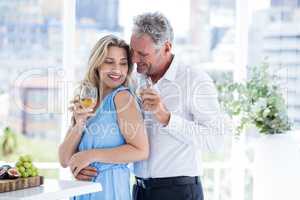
142, 183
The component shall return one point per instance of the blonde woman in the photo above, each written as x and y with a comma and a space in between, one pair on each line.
116, 133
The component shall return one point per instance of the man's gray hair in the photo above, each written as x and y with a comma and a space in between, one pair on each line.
156, 25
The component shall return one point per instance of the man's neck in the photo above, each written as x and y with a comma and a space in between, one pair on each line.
156, 77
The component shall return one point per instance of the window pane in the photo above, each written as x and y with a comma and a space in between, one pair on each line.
274, 37
212, 37
94, 19
30, 54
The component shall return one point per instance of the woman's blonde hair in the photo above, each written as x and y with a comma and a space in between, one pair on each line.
98, 54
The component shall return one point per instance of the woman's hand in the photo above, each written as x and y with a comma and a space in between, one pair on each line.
80, 114
79, 161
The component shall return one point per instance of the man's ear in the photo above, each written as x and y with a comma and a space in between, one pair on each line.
168, 47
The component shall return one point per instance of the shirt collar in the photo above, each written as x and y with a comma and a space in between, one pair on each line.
171, 72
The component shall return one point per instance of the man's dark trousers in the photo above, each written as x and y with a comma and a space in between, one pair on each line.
174, 188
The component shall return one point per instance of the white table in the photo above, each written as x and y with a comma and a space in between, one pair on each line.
53, 190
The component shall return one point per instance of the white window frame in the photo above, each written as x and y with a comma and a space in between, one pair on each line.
69, 28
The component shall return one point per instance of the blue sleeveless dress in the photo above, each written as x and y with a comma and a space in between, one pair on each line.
102, 131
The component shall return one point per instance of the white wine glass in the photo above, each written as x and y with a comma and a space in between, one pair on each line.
88, 96
144, 81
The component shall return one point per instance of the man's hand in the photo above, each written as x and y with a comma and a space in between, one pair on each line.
86, 174
152, 102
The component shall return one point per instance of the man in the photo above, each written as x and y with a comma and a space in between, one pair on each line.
182, 115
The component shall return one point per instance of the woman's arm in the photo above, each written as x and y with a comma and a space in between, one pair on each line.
70, 144
133, 129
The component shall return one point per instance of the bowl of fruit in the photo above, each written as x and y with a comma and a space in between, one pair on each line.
23, 175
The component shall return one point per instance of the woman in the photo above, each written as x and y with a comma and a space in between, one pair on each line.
113, 134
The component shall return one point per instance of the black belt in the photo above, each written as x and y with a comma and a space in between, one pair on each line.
164, 182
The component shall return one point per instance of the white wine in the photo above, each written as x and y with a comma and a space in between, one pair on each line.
87, 102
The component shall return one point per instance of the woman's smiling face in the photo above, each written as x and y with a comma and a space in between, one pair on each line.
114, 69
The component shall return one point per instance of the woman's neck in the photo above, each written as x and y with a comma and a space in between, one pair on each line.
103, 92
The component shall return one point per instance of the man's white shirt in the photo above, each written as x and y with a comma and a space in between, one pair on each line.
196, 124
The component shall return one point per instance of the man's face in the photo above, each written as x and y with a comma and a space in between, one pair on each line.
144, 54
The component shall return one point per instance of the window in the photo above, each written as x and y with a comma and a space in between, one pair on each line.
221, 37
27, 56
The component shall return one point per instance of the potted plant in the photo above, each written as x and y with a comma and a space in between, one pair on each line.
259, 103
